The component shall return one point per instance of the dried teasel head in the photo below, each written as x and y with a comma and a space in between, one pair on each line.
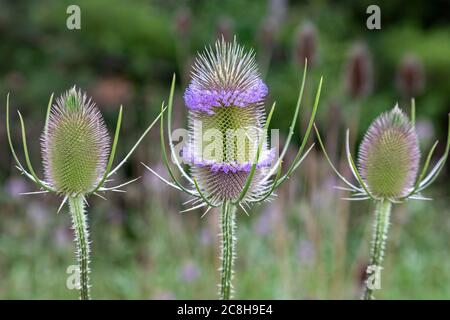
306, 44
410, 77
358, 75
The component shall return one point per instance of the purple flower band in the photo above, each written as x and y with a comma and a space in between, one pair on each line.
265, 160
197, 98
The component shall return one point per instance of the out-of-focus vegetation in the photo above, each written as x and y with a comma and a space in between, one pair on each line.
307, 243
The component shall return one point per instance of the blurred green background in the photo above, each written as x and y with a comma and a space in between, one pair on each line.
307, 244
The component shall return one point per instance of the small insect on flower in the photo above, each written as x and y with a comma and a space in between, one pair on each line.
77, 161
388, 166
231, 162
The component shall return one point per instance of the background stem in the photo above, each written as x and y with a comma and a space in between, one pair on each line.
80, 226
228, 226
380, 233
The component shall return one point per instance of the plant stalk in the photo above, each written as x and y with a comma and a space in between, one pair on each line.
380, 234
228, 255
80, 225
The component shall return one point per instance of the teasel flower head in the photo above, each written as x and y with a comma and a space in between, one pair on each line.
225, 100
75, 145
77, 162
389, 155
235, 169
387, 173
388, 160
227, 149
358, 73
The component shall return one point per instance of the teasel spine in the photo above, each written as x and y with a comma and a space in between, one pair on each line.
80, 227
379, 239
228, 249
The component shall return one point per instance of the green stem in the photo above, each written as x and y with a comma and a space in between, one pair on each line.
80, 226
380, 233
228, 226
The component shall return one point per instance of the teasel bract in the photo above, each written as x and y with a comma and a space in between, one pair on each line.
387, 173
77, 161
225, 100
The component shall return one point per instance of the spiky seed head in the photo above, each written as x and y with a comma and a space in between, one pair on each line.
389, 155
226, 119
75, 144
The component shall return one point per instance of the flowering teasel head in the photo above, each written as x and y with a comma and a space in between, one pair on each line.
225, 100
227, 149
388, 160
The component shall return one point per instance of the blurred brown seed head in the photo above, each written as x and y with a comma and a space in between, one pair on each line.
306, 44
267, 32
359, 72
277, 10
410, 78
112, 91
225, 28
272, 23
183, 22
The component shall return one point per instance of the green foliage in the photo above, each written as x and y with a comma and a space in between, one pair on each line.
316, 244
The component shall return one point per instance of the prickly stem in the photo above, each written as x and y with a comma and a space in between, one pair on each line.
380, 235
228, 254
80, 226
